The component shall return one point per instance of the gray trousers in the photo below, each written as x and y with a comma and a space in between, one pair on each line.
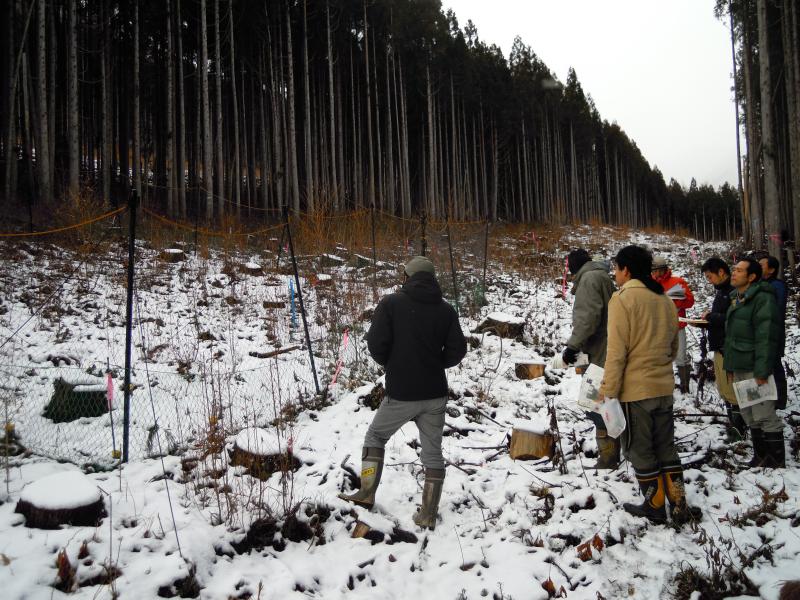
759, 416
650, 436
428, 415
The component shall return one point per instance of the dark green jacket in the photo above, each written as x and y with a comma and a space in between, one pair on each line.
592, 289
753, 331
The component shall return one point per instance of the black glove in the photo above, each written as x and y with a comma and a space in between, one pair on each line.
569, 355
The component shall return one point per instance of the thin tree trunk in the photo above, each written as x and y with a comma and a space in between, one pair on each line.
332, 112
218, 145
292, 127
43, 163
105, 109
181, 111
137, 143
73, 129
170, 110
237, 167
743, 200
772, 215
310, 186
208, 177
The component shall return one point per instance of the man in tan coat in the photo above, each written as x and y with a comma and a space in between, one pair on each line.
642, 343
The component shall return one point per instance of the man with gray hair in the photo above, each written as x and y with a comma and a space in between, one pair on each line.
415, 335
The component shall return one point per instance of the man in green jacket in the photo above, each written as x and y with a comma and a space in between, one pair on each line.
592, 288
752, 338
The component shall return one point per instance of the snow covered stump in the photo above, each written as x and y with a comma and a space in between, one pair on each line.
507, 326
262, 453
68, 498
530, 440
529, 370
252, 268
173, 255
82, 396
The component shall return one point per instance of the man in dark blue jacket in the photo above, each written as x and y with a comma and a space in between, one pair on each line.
770, 267
415, 335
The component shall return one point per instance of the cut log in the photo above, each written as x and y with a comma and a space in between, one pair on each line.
67, 498
360, 530
331, 260
173, 255
321, 279
273, 304
529, 370
501, 324
273, 353
528, 445
84, 396
262, 453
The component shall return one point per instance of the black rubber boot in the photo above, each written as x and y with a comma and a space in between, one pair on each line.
371, 471
737, 428
431, 494
759, 449
775, 450
608, 450
653, 507
680, 511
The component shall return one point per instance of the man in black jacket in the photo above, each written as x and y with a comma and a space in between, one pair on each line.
770, 266
415, 335
718, 273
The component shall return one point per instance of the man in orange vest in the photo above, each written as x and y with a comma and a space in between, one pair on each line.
677, 290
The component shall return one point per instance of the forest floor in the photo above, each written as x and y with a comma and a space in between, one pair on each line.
184, 521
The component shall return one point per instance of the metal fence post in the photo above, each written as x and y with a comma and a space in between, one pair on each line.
132, 205
300, 299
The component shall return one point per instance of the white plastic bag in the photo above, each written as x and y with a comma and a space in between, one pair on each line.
590, 388
613, 417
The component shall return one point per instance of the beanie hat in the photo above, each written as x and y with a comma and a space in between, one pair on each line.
419, 264
576, 259
659, 262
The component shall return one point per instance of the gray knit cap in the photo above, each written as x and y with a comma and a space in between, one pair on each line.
419, 264
659, 262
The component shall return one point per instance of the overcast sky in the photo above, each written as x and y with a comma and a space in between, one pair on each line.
660, 68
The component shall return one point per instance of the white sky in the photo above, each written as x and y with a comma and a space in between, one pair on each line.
660, 68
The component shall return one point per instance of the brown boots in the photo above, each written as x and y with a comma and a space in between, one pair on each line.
657, 490
371, 470
608, 451
431, 494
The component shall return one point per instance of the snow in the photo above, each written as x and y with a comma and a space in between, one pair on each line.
323, 277
61, 491
538, 427
173, 251
506, 526
260, 442
252, 266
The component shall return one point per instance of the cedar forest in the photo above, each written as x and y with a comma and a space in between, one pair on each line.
318, 105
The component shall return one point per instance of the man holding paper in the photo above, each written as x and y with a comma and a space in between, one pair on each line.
752, 337
642, 343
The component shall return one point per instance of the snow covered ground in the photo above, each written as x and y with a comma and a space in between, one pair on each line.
192, 523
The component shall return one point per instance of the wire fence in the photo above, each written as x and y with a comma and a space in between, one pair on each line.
230, 327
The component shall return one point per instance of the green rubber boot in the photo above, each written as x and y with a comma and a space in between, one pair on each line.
371, 470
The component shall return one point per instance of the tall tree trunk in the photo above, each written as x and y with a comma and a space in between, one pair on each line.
309, 175
218, 145
105, 94
208, 177
181, 111
237, 167
753, 139
292, 126
772, 214
744, 204
73, 127
137, 140
43, 159
791, 69
170, 110
371, 163
332, 113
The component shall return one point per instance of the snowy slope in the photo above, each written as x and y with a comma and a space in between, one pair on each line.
507, 530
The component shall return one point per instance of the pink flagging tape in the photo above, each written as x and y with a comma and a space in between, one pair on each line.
340, 362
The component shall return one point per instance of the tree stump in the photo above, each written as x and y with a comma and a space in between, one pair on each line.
173, 255
84, 396
262, 453
68, 498
252, 268
331, 261
360, 530
529, 370
529, 441
506, 326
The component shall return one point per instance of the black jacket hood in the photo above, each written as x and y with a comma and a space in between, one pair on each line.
423, 287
